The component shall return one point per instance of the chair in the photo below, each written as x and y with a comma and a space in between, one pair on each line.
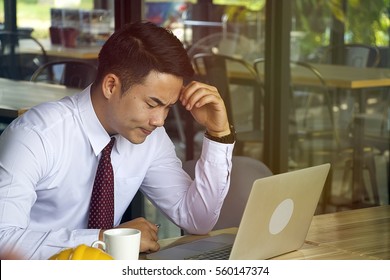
356, 55
20, 55
71, 73
374, 128
224, 43
313, 133
311, 111
241, 91
245, 171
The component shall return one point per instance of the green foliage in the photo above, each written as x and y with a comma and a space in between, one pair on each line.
37, 16
33, 2
365, 22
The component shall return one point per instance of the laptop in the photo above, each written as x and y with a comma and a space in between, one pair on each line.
275, 221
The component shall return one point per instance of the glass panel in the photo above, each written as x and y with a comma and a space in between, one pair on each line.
348, 44
329, 111
35, 14
1, 14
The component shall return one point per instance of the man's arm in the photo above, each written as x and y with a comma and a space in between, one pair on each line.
207, 107
23, 163
195, 205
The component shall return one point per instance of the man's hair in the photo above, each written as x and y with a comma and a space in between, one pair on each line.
135, 50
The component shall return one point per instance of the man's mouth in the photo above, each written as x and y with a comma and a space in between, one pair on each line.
146, 131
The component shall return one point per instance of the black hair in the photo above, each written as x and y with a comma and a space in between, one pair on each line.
135, 50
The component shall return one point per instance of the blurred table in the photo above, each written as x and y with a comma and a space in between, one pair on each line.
357, 80
362, 234
348, 77
18, 96
335, 76
84, 53
59, 51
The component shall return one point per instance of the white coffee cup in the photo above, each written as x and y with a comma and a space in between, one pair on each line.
121, 243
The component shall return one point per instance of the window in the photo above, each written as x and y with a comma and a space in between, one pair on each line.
35, 14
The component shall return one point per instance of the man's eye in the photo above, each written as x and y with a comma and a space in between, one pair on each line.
150, 105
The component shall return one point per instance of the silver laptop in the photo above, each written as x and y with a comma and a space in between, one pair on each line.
276, 220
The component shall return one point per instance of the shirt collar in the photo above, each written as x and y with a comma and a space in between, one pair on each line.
97, 135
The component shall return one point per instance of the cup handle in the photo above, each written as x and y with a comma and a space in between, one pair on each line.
97, 243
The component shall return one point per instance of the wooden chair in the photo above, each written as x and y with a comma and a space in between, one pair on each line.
242, 93
71, 73
20, 55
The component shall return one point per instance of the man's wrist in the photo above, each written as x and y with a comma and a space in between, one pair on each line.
226, 139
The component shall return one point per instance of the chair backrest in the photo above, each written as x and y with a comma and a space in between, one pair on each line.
225, 43
310, 96
20, 55
245, 171
71, 73
243, 96
356, 55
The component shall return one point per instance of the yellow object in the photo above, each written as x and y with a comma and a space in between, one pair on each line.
81, 252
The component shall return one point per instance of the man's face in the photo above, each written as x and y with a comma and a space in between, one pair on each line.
142, 108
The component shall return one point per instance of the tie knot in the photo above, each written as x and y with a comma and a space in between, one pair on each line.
107, 149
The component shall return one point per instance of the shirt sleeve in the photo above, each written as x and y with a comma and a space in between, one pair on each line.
24, 161
193, 205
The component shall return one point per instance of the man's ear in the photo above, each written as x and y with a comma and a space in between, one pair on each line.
110, 85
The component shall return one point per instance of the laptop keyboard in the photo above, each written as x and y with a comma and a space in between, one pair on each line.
222, 253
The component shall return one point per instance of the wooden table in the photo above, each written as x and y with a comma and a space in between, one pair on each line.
58, 51
17, 96
337, 76
356, 80
83, 53
347, 77
361, 234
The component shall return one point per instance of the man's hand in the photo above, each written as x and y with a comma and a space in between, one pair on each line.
148, 234
207, 107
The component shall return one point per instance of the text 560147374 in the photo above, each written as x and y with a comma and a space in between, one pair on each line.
246, 270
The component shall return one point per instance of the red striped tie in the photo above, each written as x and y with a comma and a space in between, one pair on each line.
101, 209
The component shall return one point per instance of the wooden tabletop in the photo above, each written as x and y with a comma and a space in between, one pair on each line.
352, 77
337, 76
84, 53
361, 234
363, 231
17, 96
59, 51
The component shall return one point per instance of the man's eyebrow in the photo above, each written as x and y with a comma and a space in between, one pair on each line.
159, 102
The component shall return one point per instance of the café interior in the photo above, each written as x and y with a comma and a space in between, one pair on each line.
305, 82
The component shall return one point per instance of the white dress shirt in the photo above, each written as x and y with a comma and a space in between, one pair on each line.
48, 161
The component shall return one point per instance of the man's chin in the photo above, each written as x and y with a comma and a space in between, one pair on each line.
136, 140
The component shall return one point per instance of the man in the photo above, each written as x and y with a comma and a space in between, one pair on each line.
49, 156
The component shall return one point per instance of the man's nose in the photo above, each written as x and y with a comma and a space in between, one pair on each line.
158, 119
